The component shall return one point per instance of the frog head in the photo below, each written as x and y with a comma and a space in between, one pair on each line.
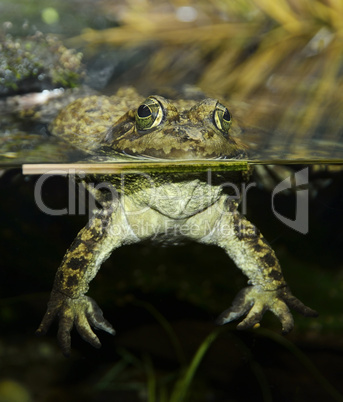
176, 130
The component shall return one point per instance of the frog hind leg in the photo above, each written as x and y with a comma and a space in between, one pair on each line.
253, 255
68, 302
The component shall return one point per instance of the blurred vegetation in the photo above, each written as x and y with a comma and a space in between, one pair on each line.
132, 373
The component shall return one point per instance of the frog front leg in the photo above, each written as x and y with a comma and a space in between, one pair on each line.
268, 290
106, 231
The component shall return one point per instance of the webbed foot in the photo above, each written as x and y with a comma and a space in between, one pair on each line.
254, 301
82, 312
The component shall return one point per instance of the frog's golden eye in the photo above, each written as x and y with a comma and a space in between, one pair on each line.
149, 114
222, 118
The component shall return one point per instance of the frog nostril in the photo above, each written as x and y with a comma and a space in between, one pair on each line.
208, 134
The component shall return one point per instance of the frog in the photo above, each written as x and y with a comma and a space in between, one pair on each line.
168, 208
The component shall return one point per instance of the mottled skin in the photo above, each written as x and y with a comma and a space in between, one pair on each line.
165, 208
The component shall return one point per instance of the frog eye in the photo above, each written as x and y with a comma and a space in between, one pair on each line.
149, 114
222, 118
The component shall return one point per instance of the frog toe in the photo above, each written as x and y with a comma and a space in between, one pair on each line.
296, 304
46, 323
253, 318
282, 312
54, 305
65, 325
240, 306
85, 331
96, 318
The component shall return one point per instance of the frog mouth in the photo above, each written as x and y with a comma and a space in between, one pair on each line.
149, 157
190, 150
176, 142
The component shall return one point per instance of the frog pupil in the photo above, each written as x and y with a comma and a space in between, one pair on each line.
144, 111
227, 115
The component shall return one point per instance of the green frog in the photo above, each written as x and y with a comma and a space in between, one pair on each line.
164, 207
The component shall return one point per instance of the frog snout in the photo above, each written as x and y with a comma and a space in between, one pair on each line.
192, 133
